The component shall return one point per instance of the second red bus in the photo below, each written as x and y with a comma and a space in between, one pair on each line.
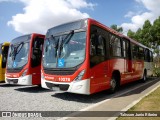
24, 60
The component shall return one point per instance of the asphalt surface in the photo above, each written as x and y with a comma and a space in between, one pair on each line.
34, 98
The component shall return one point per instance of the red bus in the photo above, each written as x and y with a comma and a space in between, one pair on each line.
24, 60
86, 57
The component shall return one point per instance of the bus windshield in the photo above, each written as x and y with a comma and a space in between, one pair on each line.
65, 50
18, 54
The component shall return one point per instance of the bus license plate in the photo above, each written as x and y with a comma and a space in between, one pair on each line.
11, 82
55, 88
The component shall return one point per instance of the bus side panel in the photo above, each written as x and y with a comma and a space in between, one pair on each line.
136, 72
1, 70
138, 68
149, 68
36, 75
117, 65
99, 78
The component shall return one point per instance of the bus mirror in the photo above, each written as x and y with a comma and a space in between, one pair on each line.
2, 48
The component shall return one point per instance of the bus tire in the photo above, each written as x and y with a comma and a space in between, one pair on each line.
144, 76
39, 85
113, 85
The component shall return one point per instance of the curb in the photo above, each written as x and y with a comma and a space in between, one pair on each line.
125, 109
136, 101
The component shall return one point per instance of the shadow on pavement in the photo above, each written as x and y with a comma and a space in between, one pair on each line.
100, 96
33, 89
2, 82
9, 85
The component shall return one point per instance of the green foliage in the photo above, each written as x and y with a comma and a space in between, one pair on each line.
149, 35
118, 29
156, 72
131, 34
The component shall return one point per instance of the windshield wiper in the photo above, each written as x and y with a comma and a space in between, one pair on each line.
68, 37
56, 43
21, 44
60, 46
15, 48
64, 41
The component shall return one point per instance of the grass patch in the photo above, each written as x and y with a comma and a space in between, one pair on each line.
148, 103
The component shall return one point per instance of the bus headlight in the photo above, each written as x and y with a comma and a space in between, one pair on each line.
42, 76
79, 77
24, 73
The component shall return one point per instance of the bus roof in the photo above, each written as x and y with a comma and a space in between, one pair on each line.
62, 28
21, 39
118, 34
24, 38
73, 25
6, 44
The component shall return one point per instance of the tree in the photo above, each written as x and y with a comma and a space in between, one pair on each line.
148, 35
156, 34
131, 34
118, 29
138, 36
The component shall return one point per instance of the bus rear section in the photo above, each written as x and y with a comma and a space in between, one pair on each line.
148, 62
24, 60
86, 57
3, 59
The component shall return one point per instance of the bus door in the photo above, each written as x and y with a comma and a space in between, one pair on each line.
151, 64
98, 66
148, 61
36, 56
127, 56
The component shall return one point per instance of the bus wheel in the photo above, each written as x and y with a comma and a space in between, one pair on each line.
39, 85
144, 76
113, 85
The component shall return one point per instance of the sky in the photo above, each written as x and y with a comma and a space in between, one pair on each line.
19, 17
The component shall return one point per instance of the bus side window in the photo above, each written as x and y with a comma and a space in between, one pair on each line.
151, 56
124, 49
37, 51
97, 49
141, 53
135, 50
93, 46
148, 56
115, 46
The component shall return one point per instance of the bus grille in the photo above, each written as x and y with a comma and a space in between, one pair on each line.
60, 72
63, 87
13, 70
15, 81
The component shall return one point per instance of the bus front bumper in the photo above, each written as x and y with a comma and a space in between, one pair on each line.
79, 87
2, 78
26, 80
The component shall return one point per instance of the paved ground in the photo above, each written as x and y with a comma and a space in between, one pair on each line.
113, 107
24, 98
